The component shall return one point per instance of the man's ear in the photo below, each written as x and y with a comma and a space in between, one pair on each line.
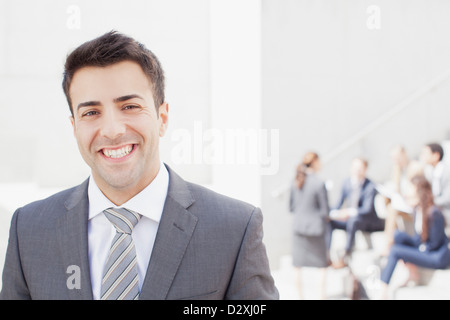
163, 112
72, 121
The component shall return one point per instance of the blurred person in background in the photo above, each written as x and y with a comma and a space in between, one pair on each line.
309, 204
428, 247
400, 162
439, 176
395, 192
355, 209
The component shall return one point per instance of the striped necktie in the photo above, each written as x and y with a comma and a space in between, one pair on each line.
120, 276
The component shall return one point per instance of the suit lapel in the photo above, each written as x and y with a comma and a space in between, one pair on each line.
174, 233
73, 240
363, 192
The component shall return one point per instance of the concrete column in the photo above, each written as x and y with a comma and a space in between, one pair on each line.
235, 40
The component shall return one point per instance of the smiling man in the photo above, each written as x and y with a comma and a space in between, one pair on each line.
134, 229
117, 127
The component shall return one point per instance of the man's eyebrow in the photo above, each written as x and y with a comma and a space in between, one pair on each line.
127, 97
119, 99
88, 104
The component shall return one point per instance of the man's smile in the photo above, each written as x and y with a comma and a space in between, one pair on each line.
118, 153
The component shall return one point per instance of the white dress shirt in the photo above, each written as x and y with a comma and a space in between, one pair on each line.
436, 179
149, 203
354, 197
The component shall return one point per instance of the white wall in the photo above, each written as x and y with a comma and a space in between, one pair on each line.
236, 95
36, 36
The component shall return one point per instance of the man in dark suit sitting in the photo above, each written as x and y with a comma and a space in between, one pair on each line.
355, 209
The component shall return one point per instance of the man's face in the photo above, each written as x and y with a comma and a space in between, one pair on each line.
428, 157
358, 170
117, 126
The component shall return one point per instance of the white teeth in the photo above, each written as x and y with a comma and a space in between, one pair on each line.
118, 153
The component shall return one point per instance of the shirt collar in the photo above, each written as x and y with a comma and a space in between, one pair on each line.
438, 170
355, 183
149, 202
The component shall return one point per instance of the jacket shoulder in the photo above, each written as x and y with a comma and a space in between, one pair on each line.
207, 198
48, 207
315, 181
436, 213
370, 183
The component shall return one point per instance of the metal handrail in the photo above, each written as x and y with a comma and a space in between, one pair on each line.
385, 117
354, 139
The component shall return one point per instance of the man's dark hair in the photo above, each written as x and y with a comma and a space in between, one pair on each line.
436, 148
111, 48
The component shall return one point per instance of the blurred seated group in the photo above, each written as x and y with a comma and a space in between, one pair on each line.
418, 212
415, 205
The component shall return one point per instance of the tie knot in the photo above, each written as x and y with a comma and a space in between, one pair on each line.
122, 219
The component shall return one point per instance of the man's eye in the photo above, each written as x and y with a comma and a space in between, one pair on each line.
130, 107
90, 113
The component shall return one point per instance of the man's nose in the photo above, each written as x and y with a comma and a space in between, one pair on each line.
112, 126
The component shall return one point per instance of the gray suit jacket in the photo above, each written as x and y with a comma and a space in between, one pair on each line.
208, 246
310, 207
